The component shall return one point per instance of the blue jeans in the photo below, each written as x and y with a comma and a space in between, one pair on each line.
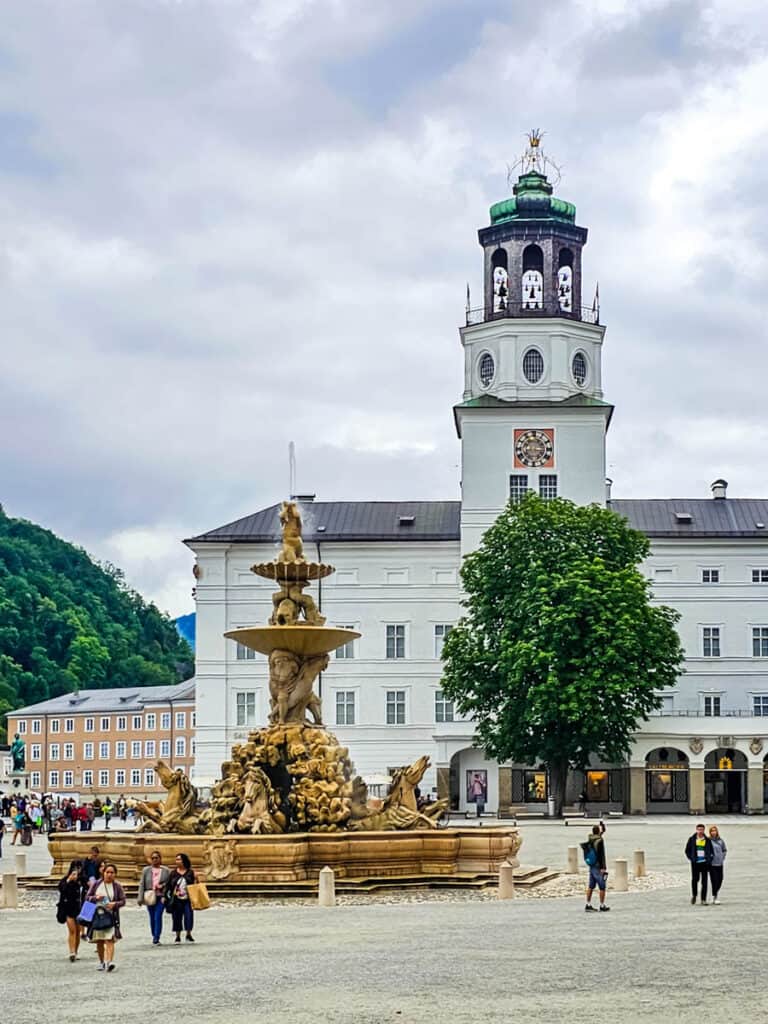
156, 920
181, 911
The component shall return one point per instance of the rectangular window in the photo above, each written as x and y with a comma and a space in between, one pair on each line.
104, 751
120, 777
36, 726
122, 723
89, 725
35, 779
347, 650
443, 707
165, 720
395, 707
53, 752
518, 487
120, 749
244, 653
393, 577
21, 727
135, 776
165, 748
69, 779
104, 776
712, 706
760, 641
88, 777
149, 777
69, 725
395, 641
54, 725
345, 707
760, 575
87, 751
193, 720
710, 641
181, 720
53, 780
444, 577
105, 724
135, 748
69, 751
35, 752
667, 703
548, 486
710, 575
245, 703
149, 748
442, 629
136, 722
151, 720
663, 575
181, 746
345, 577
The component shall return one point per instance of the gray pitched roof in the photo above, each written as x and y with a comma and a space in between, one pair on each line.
710, 517
122, 700
347, 521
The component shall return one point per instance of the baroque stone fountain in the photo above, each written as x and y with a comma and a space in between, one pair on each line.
289, 802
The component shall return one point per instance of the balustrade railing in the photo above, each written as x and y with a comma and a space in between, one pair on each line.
587, 314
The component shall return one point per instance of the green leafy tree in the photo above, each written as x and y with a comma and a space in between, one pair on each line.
560, 653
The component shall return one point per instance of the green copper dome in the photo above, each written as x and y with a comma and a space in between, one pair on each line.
533, 200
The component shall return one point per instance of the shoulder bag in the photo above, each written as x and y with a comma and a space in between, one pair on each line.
149, 899
198, 896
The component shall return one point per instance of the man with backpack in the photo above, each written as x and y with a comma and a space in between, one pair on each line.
594, 857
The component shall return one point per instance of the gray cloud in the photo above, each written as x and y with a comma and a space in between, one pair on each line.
214, 212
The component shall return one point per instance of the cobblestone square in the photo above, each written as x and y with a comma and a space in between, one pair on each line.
428, 956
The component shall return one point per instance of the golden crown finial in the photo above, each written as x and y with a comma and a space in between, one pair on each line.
534, 138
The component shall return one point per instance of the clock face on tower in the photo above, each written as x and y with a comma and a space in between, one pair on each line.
534, 448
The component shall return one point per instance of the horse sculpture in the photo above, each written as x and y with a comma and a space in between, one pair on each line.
179, 812
399, 810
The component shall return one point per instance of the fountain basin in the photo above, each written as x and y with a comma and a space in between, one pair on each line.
303, 640
292, 572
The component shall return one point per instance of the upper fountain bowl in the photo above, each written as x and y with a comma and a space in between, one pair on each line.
292, 572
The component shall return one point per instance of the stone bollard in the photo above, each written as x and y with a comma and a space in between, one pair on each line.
506, 882
21, 865
620, 878
10, 892
639, 863
573, 860
326, 888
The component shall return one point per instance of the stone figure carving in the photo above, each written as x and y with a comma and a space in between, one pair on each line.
696, 745
222, 858
756, 746
18, 754
290, 687
289, 603
292, 549
399, 810
179, 812
261, 809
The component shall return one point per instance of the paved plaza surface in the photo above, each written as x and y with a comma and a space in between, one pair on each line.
654, 957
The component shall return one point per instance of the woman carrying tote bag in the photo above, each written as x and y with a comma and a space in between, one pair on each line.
104, 929
154, 879
177, 897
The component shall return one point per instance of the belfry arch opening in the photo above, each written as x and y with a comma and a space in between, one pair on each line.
565, 280
500, 274
533, 278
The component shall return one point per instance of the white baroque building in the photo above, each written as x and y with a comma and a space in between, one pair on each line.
532, 416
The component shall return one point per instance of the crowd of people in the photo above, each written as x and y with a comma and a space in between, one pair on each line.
47, 813
90, 900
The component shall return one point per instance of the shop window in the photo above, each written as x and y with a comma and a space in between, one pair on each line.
597, 787
535, 787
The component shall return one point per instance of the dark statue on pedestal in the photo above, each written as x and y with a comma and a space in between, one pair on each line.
17, 753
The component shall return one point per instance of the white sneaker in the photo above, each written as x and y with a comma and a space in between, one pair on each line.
716, 903
102, 967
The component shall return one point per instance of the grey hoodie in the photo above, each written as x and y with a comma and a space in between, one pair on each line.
719, 850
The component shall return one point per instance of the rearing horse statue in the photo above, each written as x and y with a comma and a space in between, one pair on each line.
179, 811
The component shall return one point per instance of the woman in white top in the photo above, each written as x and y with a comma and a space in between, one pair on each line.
109, 894
154, 879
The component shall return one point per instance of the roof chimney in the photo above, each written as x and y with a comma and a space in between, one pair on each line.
608, 486
303, 497
719, 487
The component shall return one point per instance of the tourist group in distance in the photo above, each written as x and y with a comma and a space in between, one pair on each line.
90, 900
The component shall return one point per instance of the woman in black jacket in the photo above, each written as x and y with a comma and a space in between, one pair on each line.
177, 897
70, 902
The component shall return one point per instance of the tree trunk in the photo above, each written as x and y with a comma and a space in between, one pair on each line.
558, 776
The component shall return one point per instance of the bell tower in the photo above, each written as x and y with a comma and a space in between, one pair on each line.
532, 415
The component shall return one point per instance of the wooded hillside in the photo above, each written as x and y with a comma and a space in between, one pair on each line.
67, 623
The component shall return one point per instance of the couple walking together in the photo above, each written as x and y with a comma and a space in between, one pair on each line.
707, 856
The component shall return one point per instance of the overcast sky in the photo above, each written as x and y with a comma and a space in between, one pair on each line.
226, 225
